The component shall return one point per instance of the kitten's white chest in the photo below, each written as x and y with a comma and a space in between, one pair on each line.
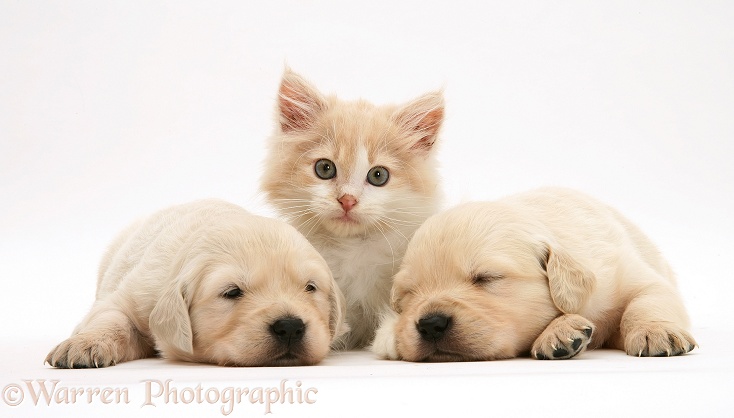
363, 269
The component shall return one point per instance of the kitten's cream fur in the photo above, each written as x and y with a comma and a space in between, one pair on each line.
359, 228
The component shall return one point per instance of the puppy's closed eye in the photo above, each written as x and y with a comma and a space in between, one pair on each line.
483, 279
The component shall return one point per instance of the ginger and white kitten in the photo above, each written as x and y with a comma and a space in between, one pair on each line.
357, 180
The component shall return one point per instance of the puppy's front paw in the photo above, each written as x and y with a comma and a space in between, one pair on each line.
84, 351
658, 340
385, 345
565, 337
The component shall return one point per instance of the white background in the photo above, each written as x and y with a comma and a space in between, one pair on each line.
111, 110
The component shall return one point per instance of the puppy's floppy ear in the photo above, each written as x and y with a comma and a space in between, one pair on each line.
570, 282
396, 295
394, 300
338, 312
169, 320
299, 103
421, 121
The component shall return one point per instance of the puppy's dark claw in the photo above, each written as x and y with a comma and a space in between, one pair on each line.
588, 331
564, 338
576, 344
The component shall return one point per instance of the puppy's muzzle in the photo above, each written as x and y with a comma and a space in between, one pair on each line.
288, 331
433, 327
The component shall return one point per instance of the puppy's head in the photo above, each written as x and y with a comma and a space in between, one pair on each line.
481, 282
249, 292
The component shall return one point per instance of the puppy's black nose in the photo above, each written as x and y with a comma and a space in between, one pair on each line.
433, 327
288, 330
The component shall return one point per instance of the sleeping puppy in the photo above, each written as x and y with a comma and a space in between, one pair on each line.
208, 282
535, 274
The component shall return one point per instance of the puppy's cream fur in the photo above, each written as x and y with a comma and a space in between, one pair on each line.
169, 285
546, 273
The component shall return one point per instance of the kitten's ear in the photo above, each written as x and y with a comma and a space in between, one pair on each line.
299, 103
421, 120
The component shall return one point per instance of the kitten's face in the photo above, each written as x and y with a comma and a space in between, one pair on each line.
352, 168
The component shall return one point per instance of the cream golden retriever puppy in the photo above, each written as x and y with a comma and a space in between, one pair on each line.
547, 274
208, 282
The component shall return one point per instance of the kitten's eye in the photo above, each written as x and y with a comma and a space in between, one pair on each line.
310, 287
378, 176
233, 293
325, 169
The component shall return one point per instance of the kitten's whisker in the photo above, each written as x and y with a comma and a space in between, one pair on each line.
296, 215
295, 163
300, 207
413, 213
392, 251
407, 222
317, 218
282, 199
399, 222
299, 211
293, 202
402, 224
396, 230
310, 224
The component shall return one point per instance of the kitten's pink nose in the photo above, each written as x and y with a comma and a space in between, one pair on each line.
348, 201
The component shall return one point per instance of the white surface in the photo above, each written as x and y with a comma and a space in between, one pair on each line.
605, 383
109, 111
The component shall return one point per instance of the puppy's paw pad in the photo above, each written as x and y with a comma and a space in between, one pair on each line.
658, 340
80, 352
560, 352
564, 338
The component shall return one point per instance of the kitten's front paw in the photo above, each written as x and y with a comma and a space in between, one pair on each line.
658, 340
83, 351
385, 345
565, 337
